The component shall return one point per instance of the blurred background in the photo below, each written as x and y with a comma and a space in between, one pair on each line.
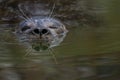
90, 50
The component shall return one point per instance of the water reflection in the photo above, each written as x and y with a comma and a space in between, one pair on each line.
90, 51
42, 66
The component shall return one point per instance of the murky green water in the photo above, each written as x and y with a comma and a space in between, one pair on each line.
90, 50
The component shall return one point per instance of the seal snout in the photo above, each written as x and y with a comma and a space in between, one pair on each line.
41, 31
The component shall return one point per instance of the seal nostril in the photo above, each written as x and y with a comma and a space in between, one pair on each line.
44, 31
36, 31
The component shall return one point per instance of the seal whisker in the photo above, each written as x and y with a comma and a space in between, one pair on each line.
52, 10
53, 55
20, 15
19, 7
28, 52
25, 16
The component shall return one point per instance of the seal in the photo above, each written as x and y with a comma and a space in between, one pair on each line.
41, 32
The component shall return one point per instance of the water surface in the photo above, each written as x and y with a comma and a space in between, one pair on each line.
90, 50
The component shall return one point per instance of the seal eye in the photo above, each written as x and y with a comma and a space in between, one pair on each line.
25, 28
52, 27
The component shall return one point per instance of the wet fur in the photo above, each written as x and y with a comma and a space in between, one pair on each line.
54, 37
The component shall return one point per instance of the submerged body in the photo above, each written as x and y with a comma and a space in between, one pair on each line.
41, 32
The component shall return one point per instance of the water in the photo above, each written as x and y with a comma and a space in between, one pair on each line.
90, 50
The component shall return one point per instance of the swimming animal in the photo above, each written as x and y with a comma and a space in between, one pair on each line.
41, 32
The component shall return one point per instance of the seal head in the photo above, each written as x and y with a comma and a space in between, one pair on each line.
41, 33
